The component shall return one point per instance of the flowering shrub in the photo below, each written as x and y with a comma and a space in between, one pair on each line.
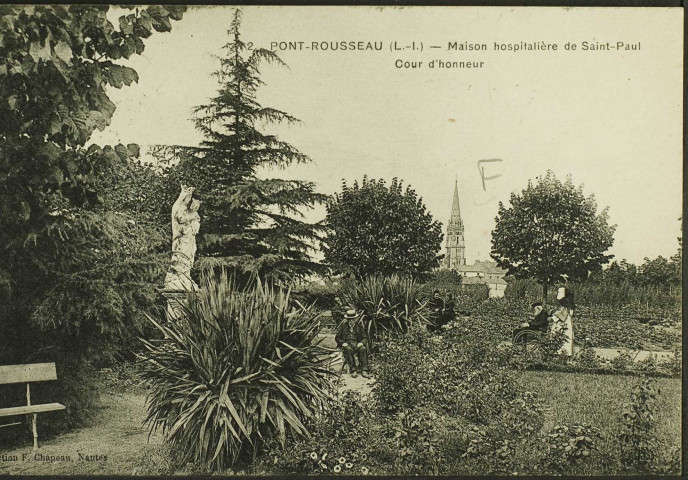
322, 463
344, 440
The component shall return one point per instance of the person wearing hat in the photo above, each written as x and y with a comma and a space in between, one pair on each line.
351, 339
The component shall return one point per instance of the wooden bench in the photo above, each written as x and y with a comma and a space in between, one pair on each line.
35, 372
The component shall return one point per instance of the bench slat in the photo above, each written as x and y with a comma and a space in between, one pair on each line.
26, 373
46, 407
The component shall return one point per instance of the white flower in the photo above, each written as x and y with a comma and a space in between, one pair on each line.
364, 470
314, 456
337, 468
342, 460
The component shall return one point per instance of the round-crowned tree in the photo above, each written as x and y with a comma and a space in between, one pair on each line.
550, 229
374, 228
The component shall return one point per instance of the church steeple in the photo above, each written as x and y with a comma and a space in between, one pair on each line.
455, 242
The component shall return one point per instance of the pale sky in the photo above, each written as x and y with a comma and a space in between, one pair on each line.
611, 119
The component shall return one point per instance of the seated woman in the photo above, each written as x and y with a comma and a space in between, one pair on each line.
540, 320
436, 307
448, 313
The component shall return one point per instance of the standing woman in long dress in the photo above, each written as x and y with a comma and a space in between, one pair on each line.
563, 319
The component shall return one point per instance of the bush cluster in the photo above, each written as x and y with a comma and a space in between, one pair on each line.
609, 294
586, 360
459, 380
441, 403
630, 326
641, 450
344, 440
567, 444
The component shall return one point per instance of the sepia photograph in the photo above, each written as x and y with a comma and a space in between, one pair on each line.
271, 240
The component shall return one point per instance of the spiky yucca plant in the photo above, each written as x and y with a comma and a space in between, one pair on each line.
237, 369
389, 303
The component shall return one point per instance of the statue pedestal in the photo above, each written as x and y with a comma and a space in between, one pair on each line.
176, 300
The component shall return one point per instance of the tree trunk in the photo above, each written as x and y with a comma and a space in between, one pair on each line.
545, 288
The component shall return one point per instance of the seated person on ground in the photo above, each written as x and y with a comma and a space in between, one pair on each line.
448, 313
436, 306
540, 321
351, 338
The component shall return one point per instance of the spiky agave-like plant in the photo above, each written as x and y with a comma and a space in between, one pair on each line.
237, 369
388, 303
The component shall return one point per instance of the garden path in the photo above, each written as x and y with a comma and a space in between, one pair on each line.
609, 353
359, 384
116, 443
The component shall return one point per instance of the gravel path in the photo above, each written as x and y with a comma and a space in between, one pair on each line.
116, 444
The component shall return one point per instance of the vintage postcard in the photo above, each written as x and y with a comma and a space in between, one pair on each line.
351, 240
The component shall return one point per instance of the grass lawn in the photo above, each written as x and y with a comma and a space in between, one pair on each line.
574, 398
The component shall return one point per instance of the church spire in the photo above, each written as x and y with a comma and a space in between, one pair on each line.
455, 244
456, 210
455, 225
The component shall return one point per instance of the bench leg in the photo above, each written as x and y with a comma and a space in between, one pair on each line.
35, 432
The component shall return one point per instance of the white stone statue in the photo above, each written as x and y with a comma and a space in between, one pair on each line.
185, 225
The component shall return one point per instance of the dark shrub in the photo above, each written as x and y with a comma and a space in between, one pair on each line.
568, 444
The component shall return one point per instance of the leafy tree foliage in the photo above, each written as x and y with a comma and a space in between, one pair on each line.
618, 273
58, 63
378, 229
551, 229
77, 262
249, 224
660, 272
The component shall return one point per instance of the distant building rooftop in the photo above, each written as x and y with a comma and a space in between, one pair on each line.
474, 281
481, 266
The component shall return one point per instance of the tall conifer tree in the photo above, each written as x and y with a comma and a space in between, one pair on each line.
248, 223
